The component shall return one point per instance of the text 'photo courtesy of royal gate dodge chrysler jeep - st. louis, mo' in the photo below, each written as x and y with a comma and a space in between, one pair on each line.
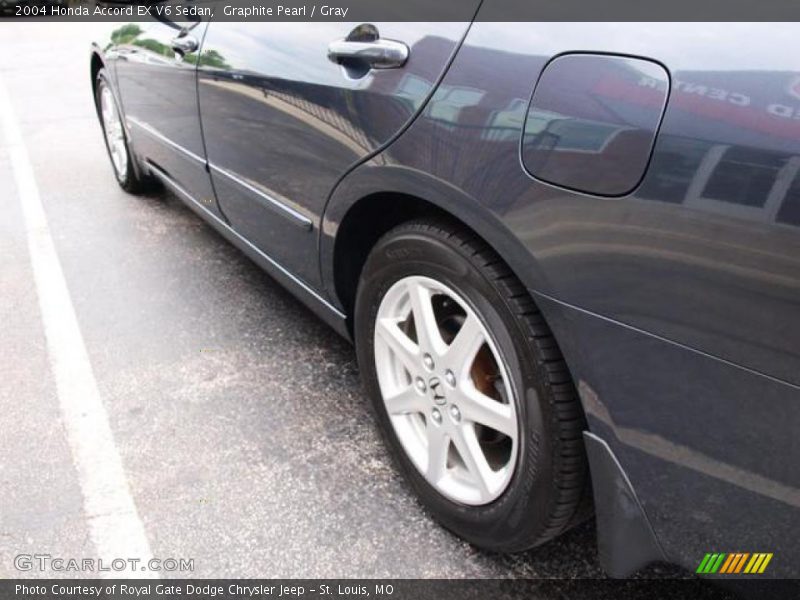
567, 254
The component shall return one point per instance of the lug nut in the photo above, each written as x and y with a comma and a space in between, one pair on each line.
455, 413
420, 383
428, 362
450, 378
436, 416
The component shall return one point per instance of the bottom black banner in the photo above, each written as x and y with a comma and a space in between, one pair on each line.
394, 589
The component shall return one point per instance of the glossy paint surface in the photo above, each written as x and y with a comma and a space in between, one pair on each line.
284, 118
677, 304
675, 296
586, 130
712, 225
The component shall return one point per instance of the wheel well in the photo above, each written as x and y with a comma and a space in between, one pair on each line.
96, 65
364, 224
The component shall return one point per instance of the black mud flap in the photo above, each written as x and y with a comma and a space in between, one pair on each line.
625, 540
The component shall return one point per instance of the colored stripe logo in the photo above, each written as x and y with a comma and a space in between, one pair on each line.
734, 563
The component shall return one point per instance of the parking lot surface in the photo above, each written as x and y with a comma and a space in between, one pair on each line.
245, 438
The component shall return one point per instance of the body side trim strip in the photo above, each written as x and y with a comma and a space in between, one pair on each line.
286, 211
221, 224
295, 216
160, 137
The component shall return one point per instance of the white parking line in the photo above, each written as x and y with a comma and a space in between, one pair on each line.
114, 524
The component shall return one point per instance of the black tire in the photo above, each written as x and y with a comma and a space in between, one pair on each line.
133, 180
548, 491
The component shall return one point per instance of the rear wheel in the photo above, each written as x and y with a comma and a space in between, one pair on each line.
469, 387
127, 172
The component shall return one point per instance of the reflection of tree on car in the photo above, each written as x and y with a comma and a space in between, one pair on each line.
125, 34
129, 35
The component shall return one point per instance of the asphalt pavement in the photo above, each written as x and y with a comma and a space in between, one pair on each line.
243, 432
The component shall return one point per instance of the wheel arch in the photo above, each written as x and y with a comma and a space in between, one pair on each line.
96, 63
373, 199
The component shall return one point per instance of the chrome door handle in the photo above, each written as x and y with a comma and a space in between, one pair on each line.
378, 54
184, 44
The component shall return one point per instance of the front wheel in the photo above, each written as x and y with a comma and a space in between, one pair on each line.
469, 388
123, 162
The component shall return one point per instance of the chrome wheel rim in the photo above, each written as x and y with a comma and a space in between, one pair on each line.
446, 390
115, 137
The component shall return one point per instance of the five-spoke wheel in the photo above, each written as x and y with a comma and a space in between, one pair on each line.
446, 389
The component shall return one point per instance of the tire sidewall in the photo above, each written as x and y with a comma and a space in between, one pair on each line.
129, 181
523, 507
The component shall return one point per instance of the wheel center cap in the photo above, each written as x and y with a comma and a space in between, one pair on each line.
437, 391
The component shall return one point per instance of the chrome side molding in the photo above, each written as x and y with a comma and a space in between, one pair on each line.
289, 212
294, 216
233, 236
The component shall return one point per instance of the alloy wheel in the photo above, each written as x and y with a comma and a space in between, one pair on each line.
115, 137
446, 390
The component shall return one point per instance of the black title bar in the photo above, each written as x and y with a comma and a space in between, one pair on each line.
404, 10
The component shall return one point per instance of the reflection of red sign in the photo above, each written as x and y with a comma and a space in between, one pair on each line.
774, 119
794, 88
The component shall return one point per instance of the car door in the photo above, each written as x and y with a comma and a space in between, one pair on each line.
156, 67
283, 121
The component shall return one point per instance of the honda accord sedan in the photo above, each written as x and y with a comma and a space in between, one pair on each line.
567, 254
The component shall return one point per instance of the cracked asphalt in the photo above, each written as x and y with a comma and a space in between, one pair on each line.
246, 439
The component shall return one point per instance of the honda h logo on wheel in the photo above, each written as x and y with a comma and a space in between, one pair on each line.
437, 390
